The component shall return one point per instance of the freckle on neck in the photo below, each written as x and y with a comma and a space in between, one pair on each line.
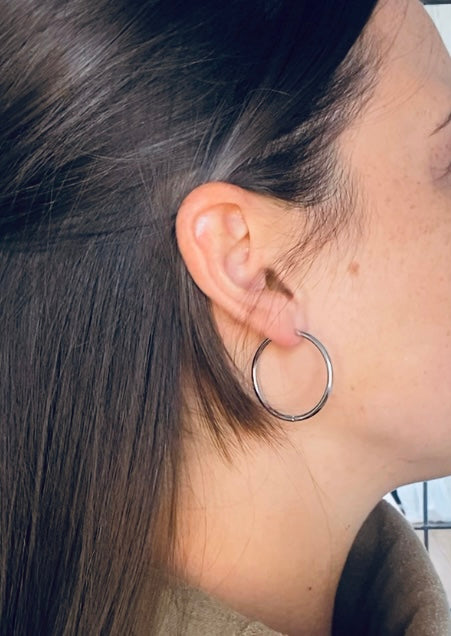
354, 268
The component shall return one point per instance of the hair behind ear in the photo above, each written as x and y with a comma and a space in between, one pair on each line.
111, 113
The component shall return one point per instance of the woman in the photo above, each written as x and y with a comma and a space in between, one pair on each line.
184, 184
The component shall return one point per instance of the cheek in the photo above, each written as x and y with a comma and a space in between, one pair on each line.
408, 254
392, 306
401, 308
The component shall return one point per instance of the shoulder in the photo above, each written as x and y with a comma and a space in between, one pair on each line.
389, 585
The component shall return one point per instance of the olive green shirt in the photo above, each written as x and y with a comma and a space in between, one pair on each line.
388, 588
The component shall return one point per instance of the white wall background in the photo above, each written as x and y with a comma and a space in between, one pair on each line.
442, 17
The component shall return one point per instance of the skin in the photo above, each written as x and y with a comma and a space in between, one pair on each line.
269, 533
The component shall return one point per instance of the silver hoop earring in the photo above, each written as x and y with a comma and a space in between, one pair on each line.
327, 391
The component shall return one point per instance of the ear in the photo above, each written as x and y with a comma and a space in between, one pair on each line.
229, 241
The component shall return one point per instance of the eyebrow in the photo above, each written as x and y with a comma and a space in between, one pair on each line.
445, 123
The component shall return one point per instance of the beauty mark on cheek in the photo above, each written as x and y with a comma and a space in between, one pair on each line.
354, 268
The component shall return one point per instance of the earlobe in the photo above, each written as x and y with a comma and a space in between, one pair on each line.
222, 233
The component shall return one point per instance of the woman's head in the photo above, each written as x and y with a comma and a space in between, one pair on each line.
377, 290
395, 308
176, 177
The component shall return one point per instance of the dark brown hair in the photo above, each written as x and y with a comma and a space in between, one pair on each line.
111, 112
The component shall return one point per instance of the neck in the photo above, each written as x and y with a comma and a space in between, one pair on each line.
269, 534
